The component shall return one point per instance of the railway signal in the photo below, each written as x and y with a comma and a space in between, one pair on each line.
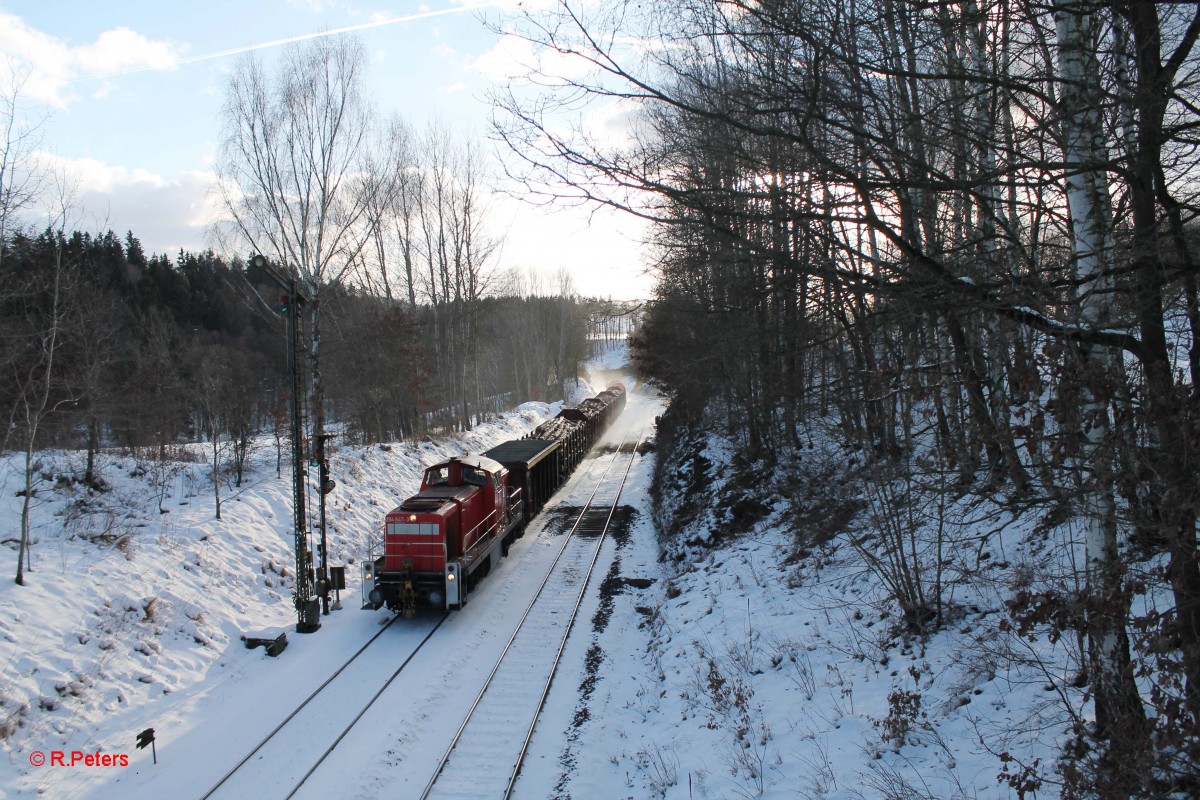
291, 301
325, 484
328, 484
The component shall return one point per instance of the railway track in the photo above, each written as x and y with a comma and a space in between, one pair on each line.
484, 758
301, 742
306, 736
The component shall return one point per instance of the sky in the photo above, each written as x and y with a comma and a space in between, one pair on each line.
130, 96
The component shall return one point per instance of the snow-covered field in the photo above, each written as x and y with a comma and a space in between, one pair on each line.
732, 670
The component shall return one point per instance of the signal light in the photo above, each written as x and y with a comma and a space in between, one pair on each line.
283, 303
327, 484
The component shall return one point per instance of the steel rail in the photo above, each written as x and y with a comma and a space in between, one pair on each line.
512, 781
366, 708
524, 617
301, 707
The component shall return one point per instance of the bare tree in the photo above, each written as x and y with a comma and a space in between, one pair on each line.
292, 169
34, 368
21, 176
392, 193
211, 388
963, 209
457, 249
101, 321
1119, 714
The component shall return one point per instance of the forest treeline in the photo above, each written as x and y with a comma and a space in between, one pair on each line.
150, 351
966, 234
385, 237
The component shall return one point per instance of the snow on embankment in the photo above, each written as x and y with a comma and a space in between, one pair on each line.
127, 609
778, 665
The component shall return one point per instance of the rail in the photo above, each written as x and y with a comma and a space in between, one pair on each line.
445, 759
288, 719
365, 708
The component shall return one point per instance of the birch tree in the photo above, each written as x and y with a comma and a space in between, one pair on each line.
21, 175
292, 169
34, 368
211, 385
392, 194
456, 248
1120, 717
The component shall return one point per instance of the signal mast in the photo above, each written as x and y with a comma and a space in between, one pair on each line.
308, 605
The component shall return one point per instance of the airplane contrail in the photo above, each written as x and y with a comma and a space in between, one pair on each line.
304, 37
347, 29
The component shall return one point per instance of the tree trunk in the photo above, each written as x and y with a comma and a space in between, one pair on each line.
1120, 717
1171, 439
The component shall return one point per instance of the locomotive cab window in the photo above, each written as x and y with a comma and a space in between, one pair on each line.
473, 476
412, 529
437, 477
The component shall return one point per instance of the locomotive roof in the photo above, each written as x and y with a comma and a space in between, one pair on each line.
479, 462
431, 501
522, 451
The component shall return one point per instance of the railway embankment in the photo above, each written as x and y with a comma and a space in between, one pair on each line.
820, 625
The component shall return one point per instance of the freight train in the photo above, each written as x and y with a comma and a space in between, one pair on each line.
439, 543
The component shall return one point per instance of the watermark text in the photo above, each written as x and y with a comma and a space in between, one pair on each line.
77, 758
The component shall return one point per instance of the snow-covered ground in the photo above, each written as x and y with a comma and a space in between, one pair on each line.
757, 667
728, 670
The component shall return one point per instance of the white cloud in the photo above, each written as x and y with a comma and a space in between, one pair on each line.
613, 124
93, 175
121, 49
53, 65
165, 213
509, 58
514, 57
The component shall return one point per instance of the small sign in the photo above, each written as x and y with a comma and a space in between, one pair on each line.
146, 737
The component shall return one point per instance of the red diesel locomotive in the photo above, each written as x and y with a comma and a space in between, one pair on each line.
440, 542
